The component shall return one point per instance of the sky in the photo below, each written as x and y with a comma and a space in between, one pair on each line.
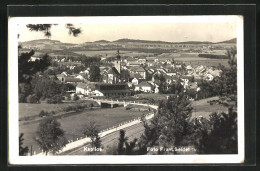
173, 31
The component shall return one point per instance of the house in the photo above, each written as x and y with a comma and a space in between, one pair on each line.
62, 76
71, 80
171, 73
112, 90
113, 76
156, 90
133, 63
170, 79
144, 86
157, 73
85, 88
185, 80
80, 77
189, 67
82, 88
137, 78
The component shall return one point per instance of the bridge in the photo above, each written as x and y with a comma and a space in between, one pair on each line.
124, 103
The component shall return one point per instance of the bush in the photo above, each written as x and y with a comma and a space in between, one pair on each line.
75, 97
22, 98
32, 99
43, 114
55, 99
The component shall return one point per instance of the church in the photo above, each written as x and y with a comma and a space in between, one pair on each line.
113, 74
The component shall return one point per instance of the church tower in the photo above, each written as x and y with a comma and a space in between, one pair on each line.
117, 62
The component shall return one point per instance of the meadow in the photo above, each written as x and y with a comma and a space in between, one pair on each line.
73, 124
30, 109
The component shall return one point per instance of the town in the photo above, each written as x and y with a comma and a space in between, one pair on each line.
124, 74
124, 96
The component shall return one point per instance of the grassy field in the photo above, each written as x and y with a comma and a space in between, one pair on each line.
73, 124
204, 61
29, 109
204, 109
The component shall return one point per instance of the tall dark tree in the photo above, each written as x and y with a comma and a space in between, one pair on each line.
22, 150
94, 73
124, 147
161, 81
226, 85
28, 68
49, 136
171, 126
27, 71
218, 135
176, 87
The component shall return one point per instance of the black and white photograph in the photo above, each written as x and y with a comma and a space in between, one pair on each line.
126, 89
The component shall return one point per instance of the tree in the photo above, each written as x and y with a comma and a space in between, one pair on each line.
28, 68
75, 97
46, 29
125, 148
218, 135
44, 87
94, 73
90, 61
161, 81
176, 87
91, 130
22, 150
55, 99
171, 126
25, 90
226, 85
49, 136
125, 75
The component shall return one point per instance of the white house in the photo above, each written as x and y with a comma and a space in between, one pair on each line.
85, 89
80, 77
97, 93
156, 90
144, 86
135, 81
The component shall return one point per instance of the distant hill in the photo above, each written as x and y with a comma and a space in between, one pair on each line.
42, 44
138, 41
192, 42
101, 41
133, 44
230, 41
164, 42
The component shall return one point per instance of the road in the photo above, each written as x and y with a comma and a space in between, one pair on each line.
132, 132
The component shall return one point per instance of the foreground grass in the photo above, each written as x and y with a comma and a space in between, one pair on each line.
73, 124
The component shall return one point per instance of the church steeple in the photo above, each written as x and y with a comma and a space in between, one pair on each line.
117, 62
118, 57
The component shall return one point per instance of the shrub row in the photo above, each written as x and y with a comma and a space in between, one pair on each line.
77, 107
45, 113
